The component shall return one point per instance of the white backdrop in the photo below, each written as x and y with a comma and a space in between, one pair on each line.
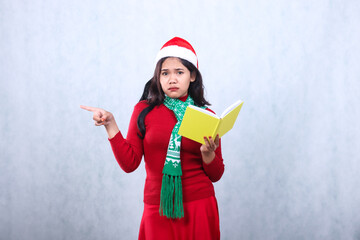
292, 161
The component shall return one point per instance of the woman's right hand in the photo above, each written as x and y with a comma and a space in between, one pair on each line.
100, 116
103, 118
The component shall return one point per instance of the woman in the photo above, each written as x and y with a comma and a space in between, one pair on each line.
179, 197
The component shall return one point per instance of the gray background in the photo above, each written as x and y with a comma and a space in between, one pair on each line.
292, 161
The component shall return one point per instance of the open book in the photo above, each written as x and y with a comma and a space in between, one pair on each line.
198, 123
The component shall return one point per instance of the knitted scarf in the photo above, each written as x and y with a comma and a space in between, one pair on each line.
171, 204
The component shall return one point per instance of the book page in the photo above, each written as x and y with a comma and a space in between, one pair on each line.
232, 106
204, 111
229, 119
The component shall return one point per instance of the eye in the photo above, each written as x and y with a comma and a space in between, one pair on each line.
180, 72
164, 73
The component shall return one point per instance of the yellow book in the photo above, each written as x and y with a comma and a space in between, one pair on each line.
198, 123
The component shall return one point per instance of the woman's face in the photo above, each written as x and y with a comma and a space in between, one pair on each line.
175, 78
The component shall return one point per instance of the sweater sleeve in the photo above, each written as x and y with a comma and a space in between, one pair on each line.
215, 169
128, 152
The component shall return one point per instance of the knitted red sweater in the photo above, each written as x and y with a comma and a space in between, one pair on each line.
197, 176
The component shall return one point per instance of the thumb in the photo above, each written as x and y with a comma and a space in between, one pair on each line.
217, 140
106, 116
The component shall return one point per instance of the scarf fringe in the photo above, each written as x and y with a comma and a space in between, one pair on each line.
171, 204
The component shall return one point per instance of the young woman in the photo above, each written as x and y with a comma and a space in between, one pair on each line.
179, 197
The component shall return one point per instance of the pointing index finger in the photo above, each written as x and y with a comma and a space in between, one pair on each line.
91, 109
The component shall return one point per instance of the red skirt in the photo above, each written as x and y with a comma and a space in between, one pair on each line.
200, 222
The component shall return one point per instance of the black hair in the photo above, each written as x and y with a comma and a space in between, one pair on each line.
154, 95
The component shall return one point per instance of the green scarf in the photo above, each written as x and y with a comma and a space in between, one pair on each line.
171, 204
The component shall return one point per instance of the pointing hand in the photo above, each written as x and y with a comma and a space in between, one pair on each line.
100, 116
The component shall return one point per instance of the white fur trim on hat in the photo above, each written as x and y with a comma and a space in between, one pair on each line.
176, 51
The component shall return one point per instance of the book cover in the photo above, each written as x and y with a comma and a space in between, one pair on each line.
198, 122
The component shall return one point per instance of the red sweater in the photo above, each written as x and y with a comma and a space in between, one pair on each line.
197, 176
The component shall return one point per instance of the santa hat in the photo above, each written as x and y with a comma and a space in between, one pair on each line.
178, 47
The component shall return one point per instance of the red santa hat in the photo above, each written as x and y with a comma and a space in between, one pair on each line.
178, 47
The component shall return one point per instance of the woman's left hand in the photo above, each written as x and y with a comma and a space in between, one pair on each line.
208, 149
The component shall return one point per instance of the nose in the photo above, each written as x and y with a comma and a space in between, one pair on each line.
172, 79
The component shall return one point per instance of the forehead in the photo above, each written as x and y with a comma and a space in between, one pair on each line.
172, 62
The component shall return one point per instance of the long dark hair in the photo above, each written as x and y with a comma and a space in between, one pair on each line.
154, 95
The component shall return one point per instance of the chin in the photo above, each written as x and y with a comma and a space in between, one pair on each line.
173, 95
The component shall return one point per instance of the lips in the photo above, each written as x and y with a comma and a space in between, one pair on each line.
173, 89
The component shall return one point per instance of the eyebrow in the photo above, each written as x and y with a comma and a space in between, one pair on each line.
178, 69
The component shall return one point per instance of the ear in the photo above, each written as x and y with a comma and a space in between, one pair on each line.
193, 76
